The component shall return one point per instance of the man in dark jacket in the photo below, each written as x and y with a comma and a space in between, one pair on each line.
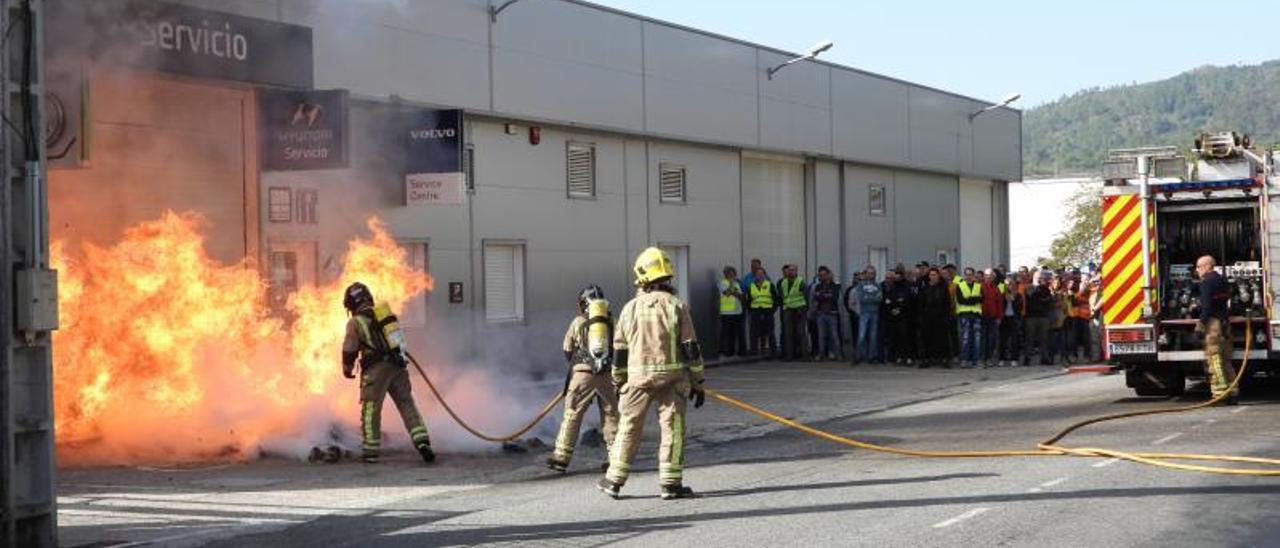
1039, 301
897, 317
826, 313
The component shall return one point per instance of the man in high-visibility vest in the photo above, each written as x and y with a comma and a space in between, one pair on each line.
795, 304
761, 304
969, 318
657, 361
731, 342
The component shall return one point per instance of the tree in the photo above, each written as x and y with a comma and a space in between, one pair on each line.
1080, 241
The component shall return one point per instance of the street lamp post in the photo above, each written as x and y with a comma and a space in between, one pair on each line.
813, 52
1010, 98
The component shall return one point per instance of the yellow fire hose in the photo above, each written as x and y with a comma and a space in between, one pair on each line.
546, 409
1047, 448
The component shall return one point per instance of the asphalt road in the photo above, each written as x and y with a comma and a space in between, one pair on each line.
760, 484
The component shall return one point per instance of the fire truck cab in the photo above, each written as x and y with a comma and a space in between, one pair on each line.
1162, 209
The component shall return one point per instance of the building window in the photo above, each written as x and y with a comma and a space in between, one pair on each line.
671, 182
504, 282
581, 168
305, 205
279, 204
875, 200
415, 309
284, 280
469, 168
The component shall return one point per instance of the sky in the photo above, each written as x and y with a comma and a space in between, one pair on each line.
988, 49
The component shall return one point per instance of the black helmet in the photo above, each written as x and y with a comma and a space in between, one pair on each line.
356, 295
589, 293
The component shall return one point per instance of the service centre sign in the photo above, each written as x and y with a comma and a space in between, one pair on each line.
303, 130
432, 141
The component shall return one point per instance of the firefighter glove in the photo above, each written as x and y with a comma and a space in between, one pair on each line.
698, 395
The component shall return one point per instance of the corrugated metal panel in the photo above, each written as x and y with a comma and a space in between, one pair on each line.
773, 222
671, 182
976, 233
581, 170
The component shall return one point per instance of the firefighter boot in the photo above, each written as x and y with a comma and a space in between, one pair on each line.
369, 457
556, 464
676, 491
609, 488
424, 449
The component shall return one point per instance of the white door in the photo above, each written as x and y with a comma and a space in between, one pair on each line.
679, 255
879, 258
415, 310
976, 233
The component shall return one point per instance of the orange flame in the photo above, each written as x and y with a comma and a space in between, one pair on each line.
165, 354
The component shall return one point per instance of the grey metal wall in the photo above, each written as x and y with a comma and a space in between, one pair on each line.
575, 63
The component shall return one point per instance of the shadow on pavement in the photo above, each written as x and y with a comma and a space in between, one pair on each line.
837, 485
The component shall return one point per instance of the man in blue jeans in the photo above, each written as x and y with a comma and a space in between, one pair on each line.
869, 296
825, 296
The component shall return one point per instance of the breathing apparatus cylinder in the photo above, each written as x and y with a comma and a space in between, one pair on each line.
388, 325
598, 333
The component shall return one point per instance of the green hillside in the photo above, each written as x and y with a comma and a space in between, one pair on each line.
1071, 135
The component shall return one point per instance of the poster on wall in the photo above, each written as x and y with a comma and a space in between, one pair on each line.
433, 144
303, 130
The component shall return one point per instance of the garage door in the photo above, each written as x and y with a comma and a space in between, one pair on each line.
157, 145
773, 213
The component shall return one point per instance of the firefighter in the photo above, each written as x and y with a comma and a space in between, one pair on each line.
657, 361
1216, 328
375, 342
588, 347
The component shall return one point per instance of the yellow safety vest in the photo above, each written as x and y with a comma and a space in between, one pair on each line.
729, 304
968, 298
762, 295
792, 296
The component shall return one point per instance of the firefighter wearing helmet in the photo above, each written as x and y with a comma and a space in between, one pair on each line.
657, 363
589, 350
375, 342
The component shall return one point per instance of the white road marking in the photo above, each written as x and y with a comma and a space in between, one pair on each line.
1206, 422
1034, 490
1105, 463
1167, 439
970, 514
1052, 483
1239, 409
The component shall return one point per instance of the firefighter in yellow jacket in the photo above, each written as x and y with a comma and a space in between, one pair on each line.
657, 362
589, 350
374, 341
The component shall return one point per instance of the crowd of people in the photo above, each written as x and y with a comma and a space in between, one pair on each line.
932, 315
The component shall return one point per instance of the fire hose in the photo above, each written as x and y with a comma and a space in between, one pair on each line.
546, 409
1047, 448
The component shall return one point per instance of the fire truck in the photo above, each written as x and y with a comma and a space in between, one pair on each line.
1162, 209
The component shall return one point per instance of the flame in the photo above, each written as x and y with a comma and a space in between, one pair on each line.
166, 355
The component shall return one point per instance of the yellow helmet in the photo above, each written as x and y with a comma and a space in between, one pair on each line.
653, 265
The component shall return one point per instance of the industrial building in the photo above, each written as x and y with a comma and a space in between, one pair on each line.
565, 137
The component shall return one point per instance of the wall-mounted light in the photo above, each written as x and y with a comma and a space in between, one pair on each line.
494, 11
813, 52
1008, 99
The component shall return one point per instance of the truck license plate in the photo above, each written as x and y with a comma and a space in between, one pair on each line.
1132, 348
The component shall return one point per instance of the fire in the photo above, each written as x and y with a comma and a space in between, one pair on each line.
165, 354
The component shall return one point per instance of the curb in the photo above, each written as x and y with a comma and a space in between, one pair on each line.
1102, 369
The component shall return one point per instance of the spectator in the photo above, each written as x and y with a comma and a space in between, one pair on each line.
935, 311
993, 307
811, 318
897, 318
1058, 312
953, 331
869, 298
791, 293
731, 342
1095, 315
1079, 344
761, 303
748, 281
1036, 322
1014, 311
825, 296
969, 318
